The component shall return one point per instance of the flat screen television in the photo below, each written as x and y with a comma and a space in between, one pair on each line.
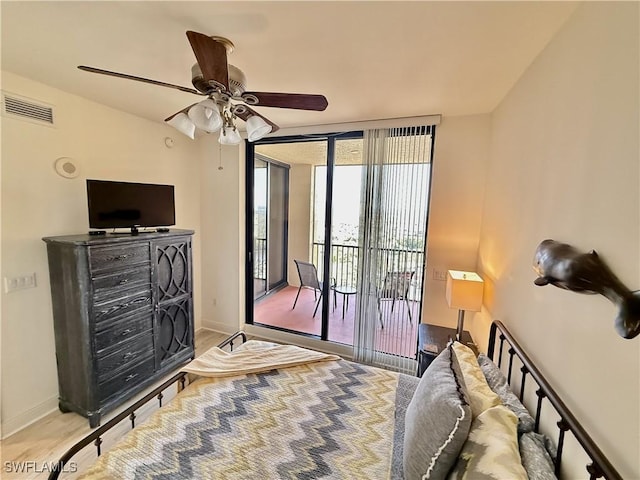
130, 205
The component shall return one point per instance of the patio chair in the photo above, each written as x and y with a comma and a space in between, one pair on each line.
395, 287
309, 279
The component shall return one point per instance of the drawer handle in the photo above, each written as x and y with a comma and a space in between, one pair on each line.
115, 308
126, 332
124, 282
130, 377
120, 257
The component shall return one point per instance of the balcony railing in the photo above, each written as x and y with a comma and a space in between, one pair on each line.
344, 264
260, 258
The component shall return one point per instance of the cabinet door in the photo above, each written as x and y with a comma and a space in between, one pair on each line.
173, 269
173, 304
175, 332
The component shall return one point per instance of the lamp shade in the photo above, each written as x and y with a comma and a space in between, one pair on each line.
257, 128
205, 115
182, 123
464, 290
229, 136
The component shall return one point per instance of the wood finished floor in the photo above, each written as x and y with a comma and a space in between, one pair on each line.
49, 438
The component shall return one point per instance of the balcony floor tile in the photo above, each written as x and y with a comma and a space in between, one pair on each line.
398, 337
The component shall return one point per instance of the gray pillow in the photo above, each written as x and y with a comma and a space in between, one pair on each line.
536, 459
404, 393
437, 421
498, 383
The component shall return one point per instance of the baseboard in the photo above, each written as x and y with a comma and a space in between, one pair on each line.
17, 423
218, 327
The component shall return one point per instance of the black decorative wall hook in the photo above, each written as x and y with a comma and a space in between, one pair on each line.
563, 266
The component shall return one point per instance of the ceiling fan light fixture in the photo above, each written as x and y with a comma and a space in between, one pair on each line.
229, 136
205, 115
182, 123
257, 128
220, 82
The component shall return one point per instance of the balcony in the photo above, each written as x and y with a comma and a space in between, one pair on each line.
275, 309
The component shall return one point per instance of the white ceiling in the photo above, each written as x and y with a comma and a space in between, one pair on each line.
372, 60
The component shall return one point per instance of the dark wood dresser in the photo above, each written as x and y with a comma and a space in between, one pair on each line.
122, 312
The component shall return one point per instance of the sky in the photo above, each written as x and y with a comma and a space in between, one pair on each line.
405, 202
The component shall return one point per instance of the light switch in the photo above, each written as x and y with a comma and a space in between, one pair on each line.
19, 283
440, 275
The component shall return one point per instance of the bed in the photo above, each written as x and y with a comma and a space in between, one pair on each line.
318, 416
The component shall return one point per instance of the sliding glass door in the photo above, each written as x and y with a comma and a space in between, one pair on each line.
293, 276
270, 226
345, 228
339, 200
394, 209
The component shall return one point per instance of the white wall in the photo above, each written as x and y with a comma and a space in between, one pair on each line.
36, 202
300, 217
565, 165
222, 207
459, 172
460, 161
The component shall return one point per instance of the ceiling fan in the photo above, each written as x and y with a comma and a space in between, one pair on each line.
224, 85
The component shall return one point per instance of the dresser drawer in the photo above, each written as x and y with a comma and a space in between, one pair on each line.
112, 284
111, 336
126, 355
115, 257
127, 379
131, 303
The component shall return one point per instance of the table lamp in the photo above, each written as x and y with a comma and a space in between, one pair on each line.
464, 292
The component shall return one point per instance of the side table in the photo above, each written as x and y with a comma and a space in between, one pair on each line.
432, 339
345, 291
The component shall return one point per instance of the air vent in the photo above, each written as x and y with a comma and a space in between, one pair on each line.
26, 109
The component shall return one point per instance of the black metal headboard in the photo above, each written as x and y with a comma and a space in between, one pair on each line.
600, 466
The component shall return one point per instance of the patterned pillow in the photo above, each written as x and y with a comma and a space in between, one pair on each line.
437, 420
536, 459
491, 450
480, 394
498, 383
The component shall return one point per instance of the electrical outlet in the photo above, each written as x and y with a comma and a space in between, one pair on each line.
19, 283
440, 275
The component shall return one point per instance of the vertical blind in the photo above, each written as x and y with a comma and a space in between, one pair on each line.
393, 221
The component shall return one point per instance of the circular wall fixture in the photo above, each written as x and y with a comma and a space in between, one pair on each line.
67, 167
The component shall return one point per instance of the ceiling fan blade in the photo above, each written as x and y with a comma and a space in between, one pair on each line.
248, 112
138, 79
211, 57
300, 101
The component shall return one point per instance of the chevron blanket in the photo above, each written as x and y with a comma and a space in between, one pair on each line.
329, 420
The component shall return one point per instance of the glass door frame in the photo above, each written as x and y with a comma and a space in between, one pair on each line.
285, 252
249, 193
